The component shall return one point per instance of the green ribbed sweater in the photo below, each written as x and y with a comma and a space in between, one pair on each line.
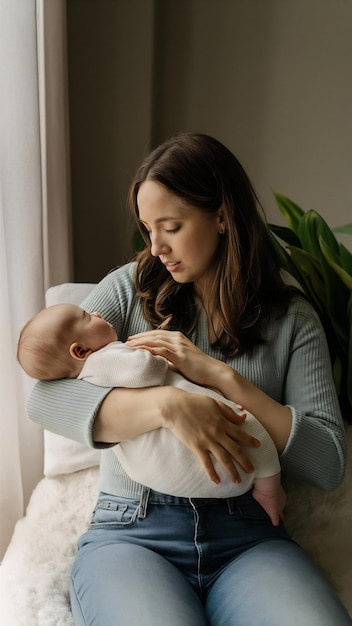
292, 366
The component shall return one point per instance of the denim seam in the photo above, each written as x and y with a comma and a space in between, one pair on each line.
197, 547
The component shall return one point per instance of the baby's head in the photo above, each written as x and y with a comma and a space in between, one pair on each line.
56, 342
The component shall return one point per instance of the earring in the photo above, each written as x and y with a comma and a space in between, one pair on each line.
221, 229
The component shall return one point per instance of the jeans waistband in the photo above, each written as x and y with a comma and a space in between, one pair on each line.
149, 496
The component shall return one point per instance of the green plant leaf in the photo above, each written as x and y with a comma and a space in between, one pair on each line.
285, 234
345, 258
310, 277
290, 210
334, 262
323, 268
337, 372
349, 355
284, 258
311, 227
346, 229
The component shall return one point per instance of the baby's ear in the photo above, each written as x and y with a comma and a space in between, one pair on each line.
79, 352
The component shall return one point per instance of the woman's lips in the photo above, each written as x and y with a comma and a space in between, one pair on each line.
172, 265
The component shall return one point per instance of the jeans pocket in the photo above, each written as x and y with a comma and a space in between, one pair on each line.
111, 511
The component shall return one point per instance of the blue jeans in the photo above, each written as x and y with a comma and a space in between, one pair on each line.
168, 561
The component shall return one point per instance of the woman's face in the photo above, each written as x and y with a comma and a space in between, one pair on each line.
183, 236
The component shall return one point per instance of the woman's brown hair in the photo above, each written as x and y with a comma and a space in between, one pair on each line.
246, 285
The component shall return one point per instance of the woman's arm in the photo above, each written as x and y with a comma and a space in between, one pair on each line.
207, 371
100, 417
276, 418
207, 427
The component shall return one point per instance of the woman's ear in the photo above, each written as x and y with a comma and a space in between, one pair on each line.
79, 352
221, 221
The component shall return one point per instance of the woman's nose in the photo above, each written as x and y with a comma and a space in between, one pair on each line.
157, 246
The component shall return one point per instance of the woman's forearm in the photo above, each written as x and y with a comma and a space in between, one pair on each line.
127, 413
276, 418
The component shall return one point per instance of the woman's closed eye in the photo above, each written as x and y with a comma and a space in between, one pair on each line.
172, 230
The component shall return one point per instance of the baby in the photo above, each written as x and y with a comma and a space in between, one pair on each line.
64, 341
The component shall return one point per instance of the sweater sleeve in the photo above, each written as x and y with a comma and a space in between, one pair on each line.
316, 449
67, 407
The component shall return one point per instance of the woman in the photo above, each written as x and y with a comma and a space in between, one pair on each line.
208, 277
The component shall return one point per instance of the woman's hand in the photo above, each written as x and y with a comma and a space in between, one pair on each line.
182, 353
211, 430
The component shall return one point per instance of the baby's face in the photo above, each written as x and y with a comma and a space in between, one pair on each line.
95, 331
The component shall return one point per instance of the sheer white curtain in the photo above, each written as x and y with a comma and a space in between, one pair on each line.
35, 233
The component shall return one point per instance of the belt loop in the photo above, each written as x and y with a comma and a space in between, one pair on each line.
143, 503
230, 505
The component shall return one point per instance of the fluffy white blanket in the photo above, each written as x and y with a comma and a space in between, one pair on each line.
34, 576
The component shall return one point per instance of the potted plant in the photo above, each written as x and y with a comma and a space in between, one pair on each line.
309, 251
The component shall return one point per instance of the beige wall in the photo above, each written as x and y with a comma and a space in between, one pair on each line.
270, 78
110, 86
